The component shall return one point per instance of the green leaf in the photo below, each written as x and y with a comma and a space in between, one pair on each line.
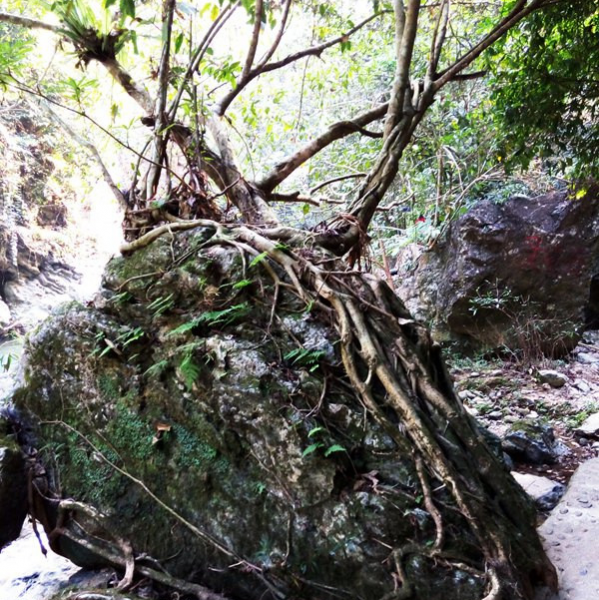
127, 8
179, 42
258, 259
242, 284
334, 448
312, 448
314, 431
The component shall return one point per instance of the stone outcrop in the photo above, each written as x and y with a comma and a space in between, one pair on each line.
223, 438
45, 236
521, 275
13, 486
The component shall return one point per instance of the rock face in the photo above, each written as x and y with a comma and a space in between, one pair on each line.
13, 487
535, 444
45, 233
521, 275
195, 419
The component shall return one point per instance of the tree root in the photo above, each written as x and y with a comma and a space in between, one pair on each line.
120, 554
382, 347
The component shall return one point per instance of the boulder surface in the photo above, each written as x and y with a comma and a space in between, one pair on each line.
221, 437
521, 275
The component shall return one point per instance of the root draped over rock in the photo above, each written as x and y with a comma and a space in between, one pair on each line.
400, 378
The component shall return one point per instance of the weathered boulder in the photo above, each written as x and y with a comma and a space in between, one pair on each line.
223, 438
522, 274
531, 443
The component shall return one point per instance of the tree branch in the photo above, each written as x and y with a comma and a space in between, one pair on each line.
335, 132
408, 27
249, 61
197, 56
225, 102
22, 21
280, 33
160, 135
336, 179
521, 10
438, 39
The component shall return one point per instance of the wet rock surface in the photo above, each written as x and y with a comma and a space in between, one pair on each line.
13, 490
26, 574
531, 443
570, 537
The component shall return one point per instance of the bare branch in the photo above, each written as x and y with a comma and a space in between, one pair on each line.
469, 76
266, 68
405, 50
335, 132
336, 179
249, 61
197, 56
279, 36
160, 136
22, 21
134, 90
438, 39
521, 10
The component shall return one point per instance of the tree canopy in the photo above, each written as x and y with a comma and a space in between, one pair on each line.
258, 103
546, 89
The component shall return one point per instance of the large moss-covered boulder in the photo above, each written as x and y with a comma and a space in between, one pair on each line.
221, 437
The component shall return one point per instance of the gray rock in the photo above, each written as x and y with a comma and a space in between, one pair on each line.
244, 436
583, 386
13, 491
502, 267
587, 358
531, 443
590, 426
545, 492
570, 536
553, 378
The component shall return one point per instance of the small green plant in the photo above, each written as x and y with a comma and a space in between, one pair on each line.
223, 317
130, 335
318, 445
157, 368
6, 361
161, 305
189, 370
496, 298
302, 357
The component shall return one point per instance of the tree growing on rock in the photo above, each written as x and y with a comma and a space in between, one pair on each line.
187, 176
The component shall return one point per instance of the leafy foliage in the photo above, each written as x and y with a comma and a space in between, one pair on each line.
546, 87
